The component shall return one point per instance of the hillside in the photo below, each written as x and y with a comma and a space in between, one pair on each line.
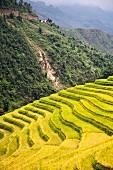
37, 59
22, 78
72, 129
96, 38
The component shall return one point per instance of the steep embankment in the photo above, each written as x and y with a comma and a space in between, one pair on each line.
72, 129
37, 56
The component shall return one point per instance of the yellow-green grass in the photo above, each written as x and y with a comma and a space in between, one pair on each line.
40, 105
102, 97
66, 116
86, 116
3, 144
74, 156
5, 125
67, 146
53, 138
107, 108
104, 82
97, 86
95, 100
13, 145
33, 161
72, 129
6, 130
97, 121
90, 89
110, 78
34, 134
24, 143
34, 111
44, 129
81, 152
82, 127
67, 132
26, 112
40, 113
96, 110
1, 134
22, 118
15, 123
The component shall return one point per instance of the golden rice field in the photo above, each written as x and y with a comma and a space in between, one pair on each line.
69, 130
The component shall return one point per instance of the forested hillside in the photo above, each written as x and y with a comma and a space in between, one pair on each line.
96, 38
37, 57
22, 77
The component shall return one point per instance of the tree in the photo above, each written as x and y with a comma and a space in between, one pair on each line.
49, 20
106, 72
11, 15
15, 2
21, 2
27, 7
6, 105
40, 30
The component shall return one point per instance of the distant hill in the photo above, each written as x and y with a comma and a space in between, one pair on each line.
89, 17
76, 16
96, 38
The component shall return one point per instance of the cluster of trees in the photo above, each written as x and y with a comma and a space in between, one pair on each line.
14, 4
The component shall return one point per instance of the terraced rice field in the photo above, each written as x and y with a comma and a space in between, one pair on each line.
69, 130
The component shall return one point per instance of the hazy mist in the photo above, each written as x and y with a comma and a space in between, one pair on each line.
104, 4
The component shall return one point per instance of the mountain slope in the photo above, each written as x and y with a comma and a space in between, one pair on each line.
22, 78
96, 38
36, 56
72, 129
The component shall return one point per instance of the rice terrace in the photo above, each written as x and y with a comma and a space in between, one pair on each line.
69, 130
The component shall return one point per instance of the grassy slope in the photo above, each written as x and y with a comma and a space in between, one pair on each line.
22, 76
72, 129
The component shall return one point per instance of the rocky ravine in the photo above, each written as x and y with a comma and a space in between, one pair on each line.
44, 61
49, 70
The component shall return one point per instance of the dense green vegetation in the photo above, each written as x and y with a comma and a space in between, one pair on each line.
96, 38
68, 130
23, 78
